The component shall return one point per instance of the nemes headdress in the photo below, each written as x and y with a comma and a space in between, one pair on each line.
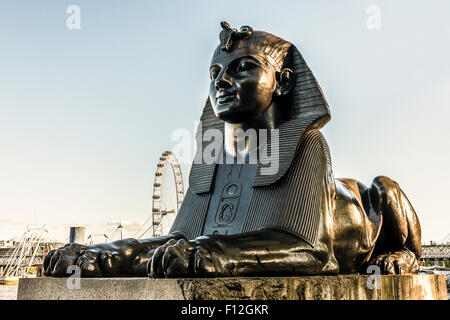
246, 41
305, 102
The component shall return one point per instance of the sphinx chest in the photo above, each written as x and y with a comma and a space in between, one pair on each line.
230, 198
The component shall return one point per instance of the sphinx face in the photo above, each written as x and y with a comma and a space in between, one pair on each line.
241, 88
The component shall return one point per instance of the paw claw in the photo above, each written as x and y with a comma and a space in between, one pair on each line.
396, 263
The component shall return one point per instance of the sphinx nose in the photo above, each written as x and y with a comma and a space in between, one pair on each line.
223, 81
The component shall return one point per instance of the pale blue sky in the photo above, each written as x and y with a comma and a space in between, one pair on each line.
85, 114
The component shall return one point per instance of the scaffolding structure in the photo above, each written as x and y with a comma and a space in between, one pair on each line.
28, 252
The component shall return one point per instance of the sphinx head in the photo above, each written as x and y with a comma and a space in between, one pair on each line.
248, 74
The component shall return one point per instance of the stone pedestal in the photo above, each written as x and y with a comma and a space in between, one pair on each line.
343, 287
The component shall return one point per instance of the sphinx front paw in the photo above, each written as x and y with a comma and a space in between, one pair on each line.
397, 262
92, 261
185, 258
172, 259
208, 263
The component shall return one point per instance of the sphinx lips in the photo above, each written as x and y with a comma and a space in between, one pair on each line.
225, 98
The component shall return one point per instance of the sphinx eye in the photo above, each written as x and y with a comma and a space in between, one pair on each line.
246, 65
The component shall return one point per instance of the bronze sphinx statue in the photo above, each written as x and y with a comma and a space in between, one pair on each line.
237, 220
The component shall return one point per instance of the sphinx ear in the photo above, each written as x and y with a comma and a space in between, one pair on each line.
285, 82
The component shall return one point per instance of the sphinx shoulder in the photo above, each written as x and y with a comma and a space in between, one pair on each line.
313, 148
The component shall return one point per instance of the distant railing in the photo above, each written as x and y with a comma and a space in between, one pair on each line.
437, 251
36, 261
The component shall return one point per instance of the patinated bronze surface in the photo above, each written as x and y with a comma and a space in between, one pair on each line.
237, 221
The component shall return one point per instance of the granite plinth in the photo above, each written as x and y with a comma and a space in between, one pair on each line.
342, 287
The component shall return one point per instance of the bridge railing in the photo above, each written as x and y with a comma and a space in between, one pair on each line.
439, 251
